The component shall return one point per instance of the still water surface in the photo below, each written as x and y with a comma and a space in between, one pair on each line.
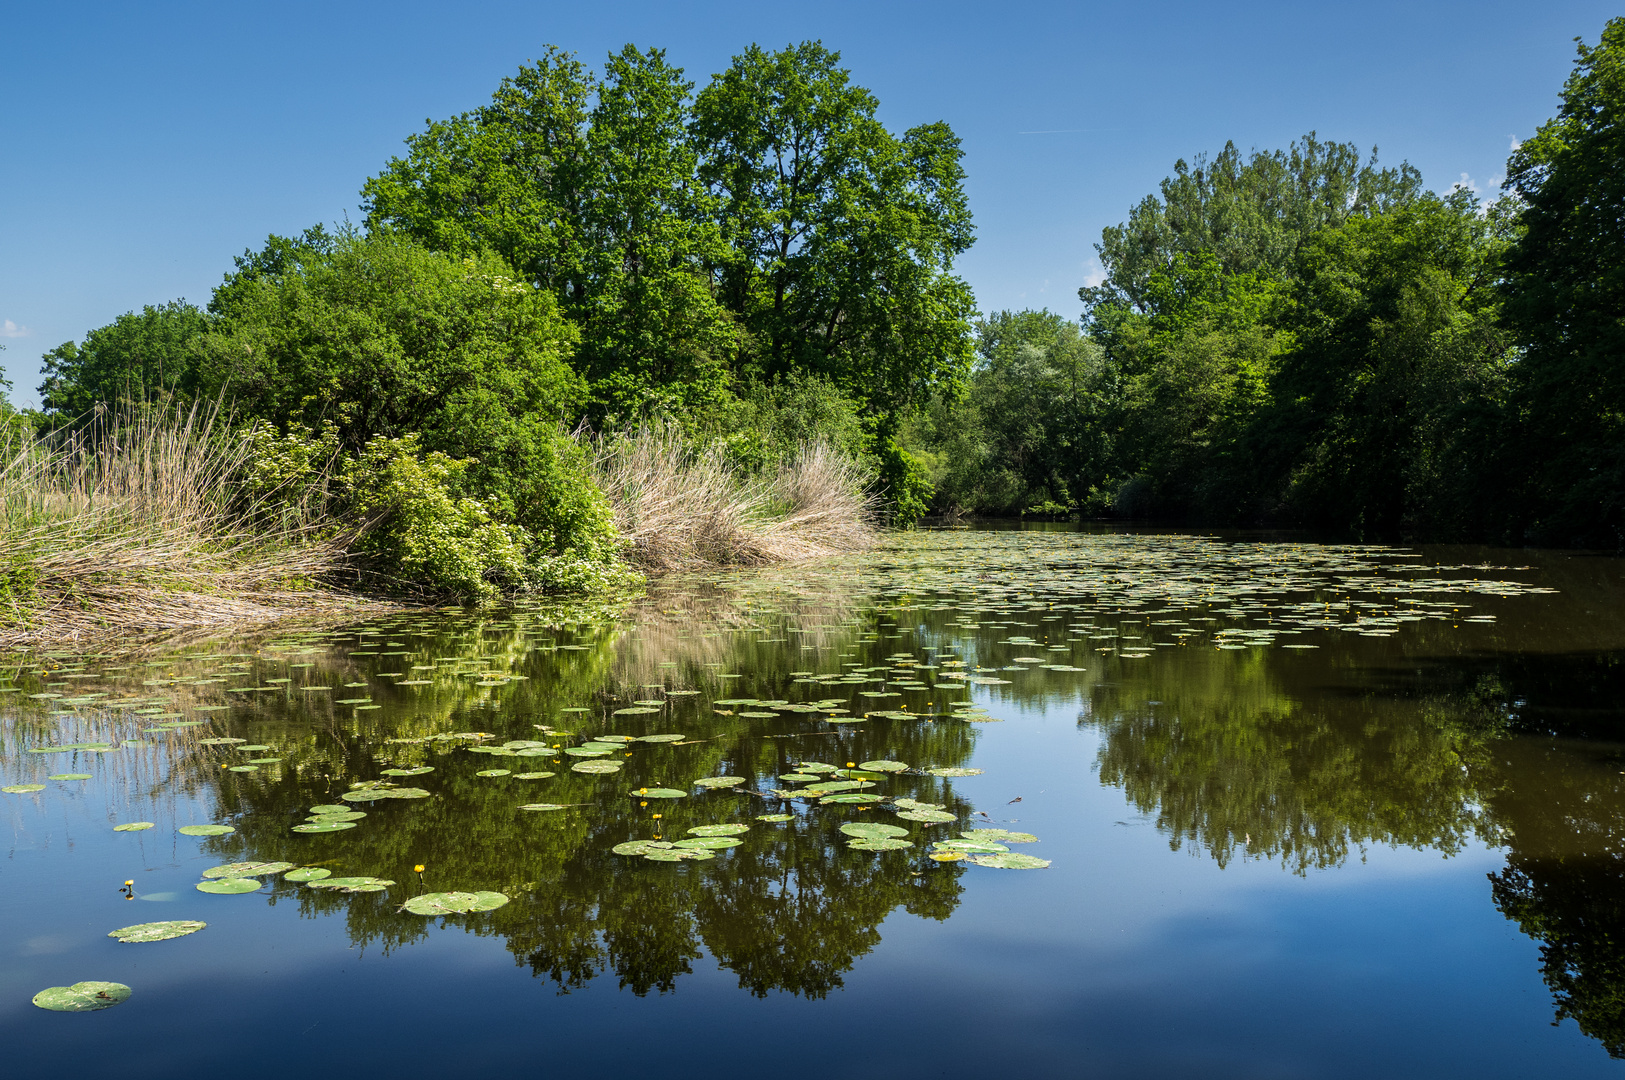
1307, 811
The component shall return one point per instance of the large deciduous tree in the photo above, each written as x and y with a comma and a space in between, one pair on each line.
1565, 293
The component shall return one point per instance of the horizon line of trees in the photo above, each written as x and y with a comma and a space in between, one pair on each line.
1299, 337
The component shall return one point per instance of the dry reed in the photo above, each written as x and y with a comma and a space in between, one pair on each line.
680, 509
138, 523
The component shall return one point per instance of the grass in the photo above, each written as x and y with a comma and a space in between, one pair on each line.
136, 523
679, 508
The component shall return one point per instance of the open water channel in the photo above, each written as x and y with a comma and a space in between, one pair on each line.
980, 803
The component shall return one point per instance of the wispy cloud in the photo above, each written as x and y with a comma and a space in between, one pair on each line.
9, 329
1515, 142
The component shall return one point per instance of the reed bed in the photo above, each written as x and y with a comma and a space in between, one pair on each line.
139, 523
680, 508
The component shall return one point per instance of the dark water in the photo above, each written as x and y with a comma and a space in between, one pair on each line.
1397, 853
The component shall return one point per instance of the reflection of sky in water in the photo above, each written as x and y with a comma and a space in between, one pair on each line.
1124, 958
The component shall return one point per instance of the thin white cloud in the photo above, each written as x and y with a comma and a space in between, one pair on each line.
9, 329
1094, 276
1515, 142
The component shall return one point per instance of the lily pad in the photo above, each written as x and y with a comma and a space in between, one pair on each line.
205, 830
133, 826
229, 885
82, 996
454, 903
331, 808
883, 766
1009, 861
970, 847
322, 826
69, 776
1000, 836
710, 842
494, 772
157, 931
638, 847
307, 873
247, 869
718, 830
719, 781
351, 884
353, 815
419, 771
955, 772
848, 797
831, 787
545, 806
22, 789
658, 793
596, 766
881, 844
934, 817
676, 854
872, 830
661, 738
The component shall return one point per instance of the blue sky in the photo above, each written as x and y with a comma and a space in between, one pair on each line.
143, 145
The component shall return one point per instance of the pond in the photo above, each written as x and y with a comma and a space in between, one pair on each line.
979, 803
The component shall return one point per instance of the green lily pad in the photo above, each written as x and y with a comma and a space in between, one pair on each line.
323, 826
719, 781
883, 766
915, 804
847, 798
718, 830
636, 710
133, 826
710, 842
677, 854
596, 766
205, 830
494, 772
955, 772
229, 885
454, 903
331, 808
879, 844
221, 741
351, 884
872, 830
82, 996
970, 847
661, 738
831, 787
798, 777
545, 806
353, 815
533, 775
934, 817
1009, 861
22, 789
658, 793
307, 873
157, 931
374, 794
419, 771
775, 817
69, 776
247, 869
639, 847
999, 836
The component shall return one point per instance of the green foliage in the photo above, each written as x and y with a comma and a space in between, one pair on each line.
146, 357
1565, 288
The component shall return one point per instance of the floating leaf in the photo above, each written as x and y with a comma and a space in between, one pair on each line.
719, 781
676, 854
848, 798
454, 903
775, 817
915, 804
22, 789
494, 772
419, 771
332, 808
229, 885
1009, 861
970, 847
872, 830
353, 815
247, 869
833, 786
547, 806
82, 996
596, 766
658, 793
947, 856
324, 826
69, 776
710, 842
883, 766
636, 710
351, 884
935, 817
881, 844
307, 873
638, 847
955, 772
718, 830
205, 830
532, 775
661, 738
999, 836
133, 826
157, 931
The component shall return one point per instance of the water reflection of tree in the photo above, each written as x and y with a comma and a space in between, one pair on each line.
790, 910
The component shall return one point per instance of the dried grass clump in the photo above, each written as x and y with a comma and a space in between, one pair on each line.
137, 523
682, 509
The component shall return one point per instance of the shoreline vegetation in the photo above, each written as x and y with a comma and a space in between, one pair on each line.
609, 324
